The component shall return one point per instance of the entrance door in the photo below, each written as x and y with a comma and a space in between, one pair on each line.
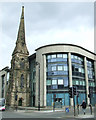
20, 102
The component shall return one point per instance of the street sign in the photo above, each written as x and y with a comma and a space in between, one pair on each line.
67, 109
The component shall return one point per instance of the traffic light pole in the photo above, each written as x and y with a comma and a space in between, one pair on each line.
75, 93
54, 97
77, 104
74, 104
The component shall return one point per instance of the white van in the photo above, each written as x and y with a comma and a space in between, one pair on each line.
2, 104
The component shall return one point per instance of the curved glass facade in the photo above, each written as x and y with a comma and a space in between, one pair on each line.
91, 81
57, 78
78, 76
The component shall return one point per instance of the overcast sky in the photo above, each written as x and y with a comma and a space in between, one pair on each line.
46, 23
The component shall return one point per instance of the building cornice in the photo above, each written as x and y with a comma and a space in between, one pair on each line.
63, 44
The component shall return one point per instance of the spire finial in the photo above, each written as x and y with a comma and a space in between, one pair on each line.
22, 16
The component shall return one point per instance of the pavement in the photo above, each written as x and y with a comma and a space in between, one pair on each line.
69, 114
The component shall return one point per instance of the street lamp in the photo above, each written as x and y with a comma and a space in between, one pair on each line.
37, 63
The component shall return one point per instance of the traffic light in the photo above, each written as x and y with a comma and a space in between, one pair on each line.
74, 90
71, 92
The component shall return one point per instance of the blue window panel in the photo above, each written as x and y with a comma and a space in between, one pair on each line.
60, 95
65, 82
66, 99
81, 97
50, 73
49, 68
49, 99
57, 60
64, 96
80, 62
63, 101
58, 73
75, 97
61, 73
54, 87
49, 60
93, 99
73, 60
61, 59
53, 60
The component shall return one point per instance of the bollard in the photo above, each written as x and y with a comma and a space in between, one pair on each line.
90, 108
78, 109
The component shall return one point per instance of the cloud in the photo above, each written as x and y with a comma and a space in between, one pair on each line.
83, 37
46, 23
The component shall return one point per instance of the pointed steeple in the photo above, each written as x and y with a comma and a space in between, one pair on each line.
20, 43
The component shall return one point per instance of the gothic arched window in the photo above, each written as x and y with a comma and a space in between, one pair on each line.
22, 81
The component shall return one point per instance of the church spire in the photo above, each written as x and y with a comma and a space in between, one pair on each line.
20, 43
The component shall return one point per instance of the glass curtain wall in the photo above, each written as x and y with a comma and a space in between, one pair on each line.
57, 78
78, 77
91, 81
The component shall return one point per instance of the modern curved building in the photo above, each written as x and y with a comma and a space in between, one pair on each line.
56, 67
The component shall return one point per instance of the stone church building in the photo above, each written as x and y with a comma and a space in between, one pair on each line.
19, 73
